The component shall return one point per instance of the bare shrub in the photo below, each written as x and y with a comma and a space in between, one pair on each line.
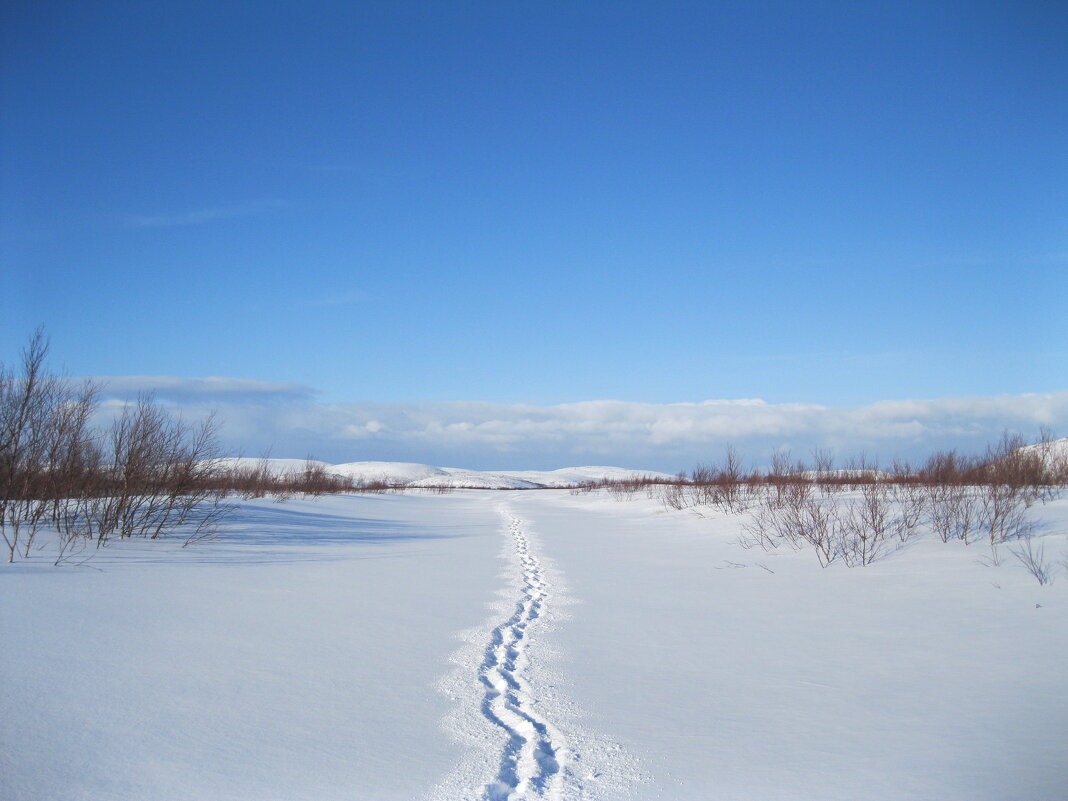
795, 516
819, 525
949, 467
769, 523
71, 548
45, 447
952, 511
159, 474
791, 506
205, 522
779, 475
1003, 513
673, 496
1013, 464
733, 490
858, 472
1011, 481
26, 402
1054, 464
314, 479
252, 482
148, 474
1034, 559
624, 489
910, 501
725, 487
440, 489
865, 526
759, 529
823, 465
958, 496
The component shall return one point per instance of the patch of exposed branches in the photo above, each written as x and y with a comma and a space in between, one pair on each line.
860, 512
149, 474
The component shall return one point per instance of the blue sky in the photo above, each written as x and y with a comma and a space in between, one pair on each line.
551, 203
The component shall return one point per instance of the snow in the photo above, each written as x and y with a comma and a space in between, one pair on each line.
296, 659
867, 473
424, 475
1054, 452
491, 645
393, 472
531, 479
927, 675
279, 467
568, 476
475, 479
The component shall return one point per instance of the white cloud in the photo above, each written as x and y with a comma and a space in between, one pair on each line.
258, 415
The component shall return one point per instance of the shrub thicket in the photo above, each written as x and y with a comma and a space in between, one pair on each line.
147, 474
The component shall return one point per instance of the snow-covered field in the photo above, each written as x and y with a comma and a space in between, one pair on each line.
493, 645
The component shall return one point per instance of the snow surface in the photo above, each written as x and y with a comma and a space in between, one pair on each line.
495, 645
393, 472
1054, 452
424, 475
279, 467
568, 476
475, 479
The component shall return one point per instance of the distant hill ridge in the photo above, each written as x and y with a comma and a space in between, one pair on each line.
414, 474
1053, 451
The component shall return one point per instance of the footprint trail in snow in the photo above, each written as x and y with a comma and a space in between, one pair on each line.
535, 755
509, 711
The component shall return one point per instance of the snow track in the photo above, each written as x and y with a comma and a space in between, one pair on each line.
510, 706
534, 757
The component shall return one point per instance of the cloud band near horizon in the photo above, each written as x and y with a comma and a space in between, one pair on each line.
284, 419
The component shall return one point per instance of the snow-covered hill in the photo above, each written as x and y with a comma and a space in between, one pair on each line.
414, 474
1054, 452
392, 472
475, 479
279, 467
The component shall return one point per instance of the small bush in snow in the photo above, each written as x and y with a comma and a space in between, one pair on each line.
1033, 557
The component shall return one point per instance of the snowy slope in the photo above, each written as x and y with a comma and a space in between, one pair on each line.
423, 475
474, 479
1052, 453
529, 645
529, 479
279, 467
567, 476
393, 472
